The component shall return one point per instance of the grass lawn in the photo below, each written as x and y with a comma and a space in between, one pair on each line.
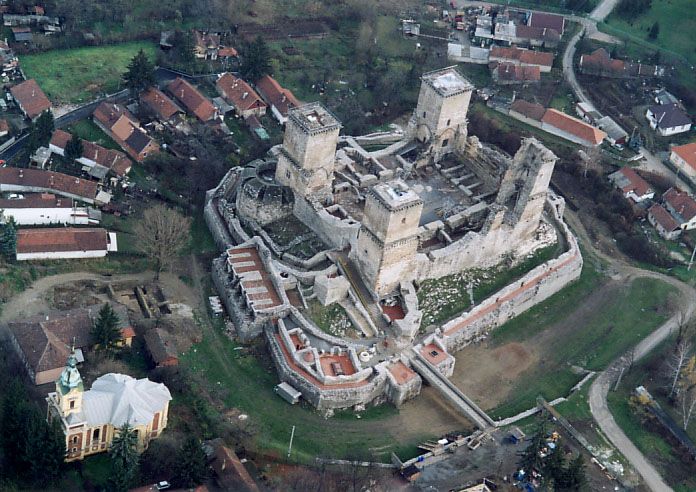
81, 74
251, 382
331, 319
596, 340
88, 130
676, 19
201, 239
96, 470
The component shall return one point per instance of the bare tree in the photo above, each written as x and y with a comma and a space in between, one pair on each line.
676, 363
162, 233
687, 405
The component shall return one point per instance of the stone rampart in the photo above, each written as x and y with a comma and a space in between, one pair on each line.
334, 231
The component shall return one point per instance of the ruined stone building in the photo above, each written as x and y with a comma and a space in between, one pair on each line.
323, 220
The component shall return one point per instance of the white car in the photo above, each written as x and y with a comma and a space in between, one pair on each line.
164, 485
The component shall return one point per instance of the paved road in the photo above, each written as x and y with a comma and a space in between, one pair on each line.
601, 385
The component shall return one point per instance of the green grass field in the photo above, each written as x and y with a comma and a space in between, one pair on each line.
88, 130
676, 19
81, 74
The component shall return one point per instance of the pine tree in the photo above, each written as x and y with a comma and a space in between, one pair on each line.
530, 458
41, 131
43, 450
654, 31
256, 60
124, 458
192, 464
140, 74
8, 239
74, 148
105, 331
575, 475
14, 408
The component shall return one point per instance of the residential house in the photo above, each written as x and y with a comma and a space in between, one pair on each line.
523, 57
682, 206
684, 159
90, 419
44, 342
64, 244
93, 155
278, 98
162, 347
587, 112
240, 95
538, 37
227, 52
194, 102
230, 473
30, 99
530, 113
668, 119
664, 97
22, 34
615, 134
572, 129
508, 74
206, 45
160, 104
19, 180
7, 57
632, 185
663, 222
543, 20
600, 63
4, 128
124, 128
45, 209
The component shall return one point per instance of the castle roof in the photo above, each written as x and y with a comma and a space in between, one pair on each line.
447, 81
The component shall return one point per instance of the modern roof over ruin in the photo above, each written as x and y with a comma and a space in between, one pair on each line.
447, 81
314, 118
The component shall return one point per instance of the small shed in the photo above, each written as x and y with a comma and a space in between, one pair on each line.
288, 393
516, 435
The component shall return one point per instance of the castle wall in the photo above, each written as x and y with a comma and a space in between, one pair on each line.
338, 233
511, 301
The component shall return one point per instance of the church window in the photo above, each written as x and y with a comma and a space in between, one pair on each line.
72, 404
95, 434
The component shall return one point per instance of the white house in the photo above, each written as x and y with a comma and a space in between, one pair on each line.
682, 207
46, 209
64, 243
632, 185
668, 119
684, 158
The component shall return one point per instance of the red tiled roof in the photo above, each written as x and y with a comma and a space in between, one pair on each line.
112, 159
573, 126
238, 93
531, 110
35, 200
48, 180
228, 51
636, 183
60, 139
681, 202
108, 114
32, 99
401, 372
549, 21
522, 55
663, 218
518, 73
687, 152
274, 94
229, 469
61, 240
433, 353
540, 33
159, 103
193, 100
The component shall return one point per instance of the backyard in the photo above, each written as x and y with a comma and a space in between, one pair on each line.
79, 75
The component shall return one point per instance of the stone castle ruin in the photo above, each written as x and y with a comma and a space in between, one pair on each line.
356, 224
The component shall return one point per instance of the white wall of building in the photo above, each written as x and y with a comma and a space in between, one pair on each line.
47, 216
61, 255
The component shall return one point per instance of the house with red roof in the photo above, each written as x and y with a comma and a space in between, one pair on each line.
93, 155
682, 207
64, 243
278, 98
30, 99
509, 74
632, 185
600, 63
13, 179
240, 95
572, 129
191, 99
663, 222
543, 20
159, 104
522, 57
124, 128
684, 159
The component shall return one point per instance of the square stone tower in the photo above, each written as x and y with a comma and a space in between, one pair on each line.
524, 187
306, 160
440, 116
387, 241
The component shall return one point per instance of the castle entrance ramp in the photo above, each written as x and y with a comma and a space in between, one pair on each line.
363, 293
453, 394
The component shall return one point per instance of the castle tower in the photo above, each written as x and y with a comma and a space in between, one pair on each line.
387, 241
69, 388
440, 116
524, 187
306, 160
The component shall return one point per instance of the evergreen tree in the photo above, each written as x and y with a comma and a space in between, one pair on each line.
8, 239
124, 459
43, 450
654, 31
192, 464
554, 469
140, 74
74, 148
256, 60
14, 408
575, 475
105, 330
530, 458
40, 131
184, 49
